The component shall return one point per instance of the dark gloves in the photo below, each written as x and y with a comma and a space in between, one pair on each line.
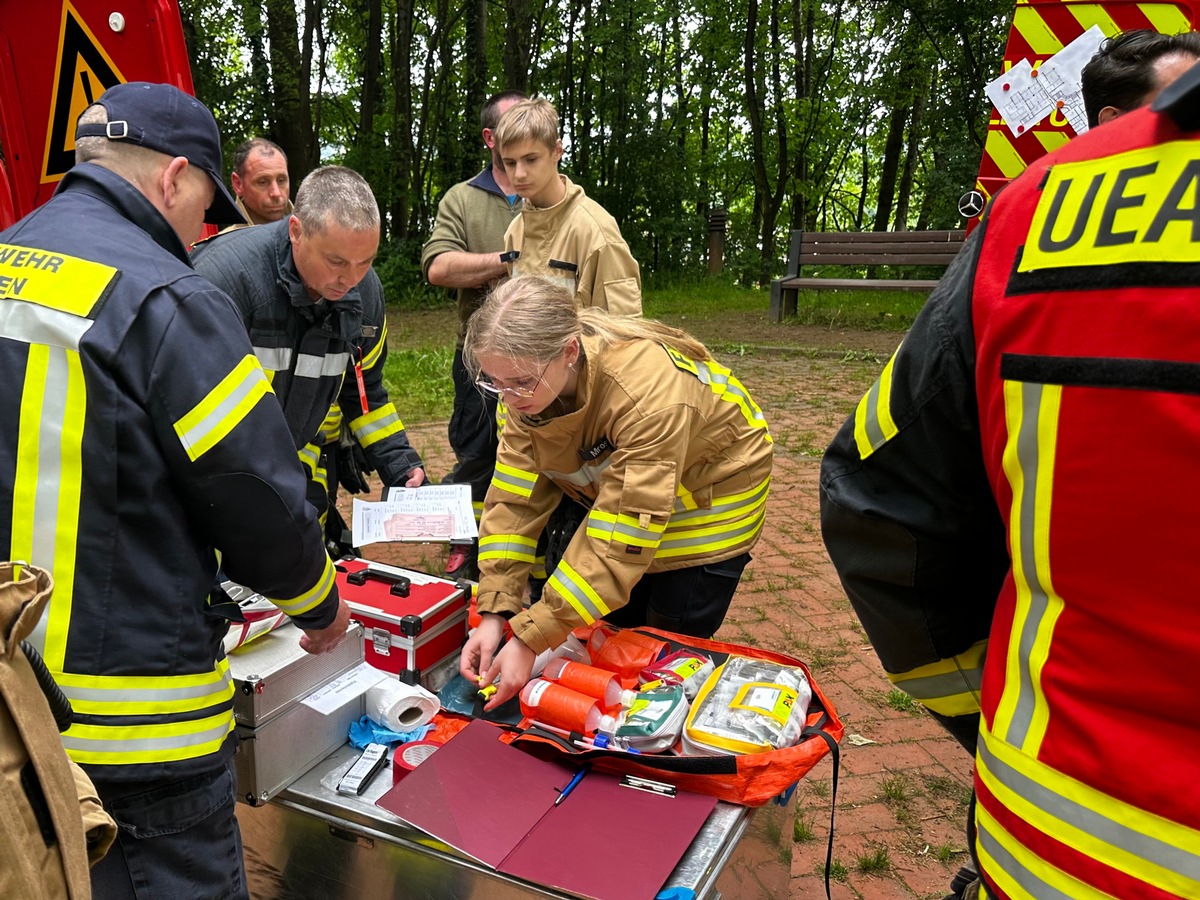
353, 468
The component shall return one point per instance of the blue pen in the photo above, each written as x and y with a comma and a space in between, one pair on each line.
575, 779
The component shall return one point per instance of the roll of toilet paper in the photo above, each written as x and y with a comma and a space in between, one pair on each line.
400, 706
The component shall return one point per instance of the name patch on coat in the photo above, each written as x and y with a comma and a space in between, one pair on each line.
601, 446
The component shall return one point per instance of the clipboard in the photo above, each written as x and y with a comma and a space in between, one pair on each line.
495, 803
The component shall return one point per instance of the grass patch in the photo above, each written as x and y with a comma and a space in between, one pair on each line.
901, 702
945, 853
419, 383
837, 870
866, 310
895, 789
699, 298
875, 861
944, 788
802, 831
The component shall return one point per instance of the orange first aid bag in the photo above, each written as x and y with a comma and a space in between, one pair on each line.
750, 779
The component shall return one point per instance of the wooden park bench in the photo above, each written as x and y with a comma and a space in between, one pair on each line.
860, 248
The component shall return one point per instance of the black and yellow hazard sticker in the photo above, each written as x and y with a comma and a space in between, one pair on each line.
83, 72
54, 280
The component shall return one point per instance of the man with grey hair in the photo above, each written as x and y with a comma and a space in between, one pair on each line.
313, 307
138, 444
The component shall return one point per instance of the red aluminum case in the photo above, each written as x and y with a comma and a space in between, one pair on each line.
411, 621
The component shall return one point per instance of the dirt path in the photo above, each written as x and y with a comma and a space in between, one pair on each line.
903, 790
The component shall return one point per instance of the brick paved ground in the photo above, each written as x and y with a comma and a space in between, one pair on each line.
902, 797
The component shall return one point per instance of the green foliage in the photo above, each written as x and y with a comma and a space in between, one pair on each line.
802, 831
901, 702
399, 269
874, 861
778, 113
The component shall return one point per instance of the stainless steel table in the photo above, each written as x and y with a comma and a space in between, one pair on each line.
311, 843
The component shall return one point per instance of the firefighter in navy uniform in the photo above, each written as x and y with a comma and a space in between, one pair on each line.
139, 443
313, 307
1012, 511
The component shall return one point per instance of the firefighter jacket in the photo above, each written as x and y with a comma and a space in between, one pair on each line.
578, 244
471, 218
310, 350
136, 444
53, 821
673, 458
1012, 510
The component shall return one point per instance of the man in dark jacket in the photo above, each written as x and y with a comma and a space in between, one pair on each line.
313, 307
138, 444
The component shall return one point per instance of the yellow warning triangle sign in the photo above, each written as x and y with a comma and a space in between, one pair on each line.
84, 71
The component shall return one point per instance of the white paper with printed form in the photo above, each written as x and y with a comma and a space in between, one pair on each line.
1018, 98
440, 512
345, 687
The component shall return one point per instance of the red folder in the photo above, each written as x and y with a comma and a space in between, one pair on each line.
495, 802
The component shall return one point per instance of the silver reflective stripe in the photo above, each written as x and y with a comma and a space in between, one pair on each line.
277, 359
735, 530
516, 484
583, 476
566, 586
1019, 873
223, 684
126, 745
49, 474
630, 533
33, 324
510, 549
1028, 459
363, 432
1115, 834
681, 515
319, 366
949, 684
195, 435
870, 417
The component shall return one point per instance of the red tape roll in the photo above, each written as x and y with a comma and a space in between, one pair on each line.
409, 756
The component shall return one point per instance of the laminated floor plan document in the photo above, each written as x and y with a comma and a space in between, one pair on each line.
495, 803
437, 512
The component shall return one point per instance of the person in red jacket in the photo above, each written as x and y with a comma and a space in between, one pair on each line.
1011, 509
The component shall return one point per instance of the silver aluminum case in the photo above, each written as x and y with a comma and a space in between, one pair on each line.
271, 672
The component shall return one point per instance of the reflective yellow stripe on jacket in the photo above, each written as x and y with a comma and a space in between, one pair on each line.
223, 409
376, 425
514, 480
573, 588
949, 687
1145, 846
130, 744
508, 546
723, 383
731, 520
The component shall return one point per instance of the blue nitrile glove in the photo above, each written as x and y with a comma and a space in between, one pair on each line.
368, 731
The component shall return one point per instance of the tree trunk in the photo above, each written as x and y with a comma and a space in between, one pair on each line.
910, 161
518, 37
476, 84
402, 124
291, 114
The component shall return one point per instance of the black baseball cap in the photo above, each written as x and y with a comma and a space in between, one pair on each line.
162, 117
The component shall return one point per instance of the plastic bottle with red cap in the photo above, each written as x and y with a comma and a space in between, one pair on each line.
590, 681
564, 708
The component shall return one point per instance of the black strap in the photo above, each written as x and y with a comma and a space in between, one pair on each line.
837, 760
